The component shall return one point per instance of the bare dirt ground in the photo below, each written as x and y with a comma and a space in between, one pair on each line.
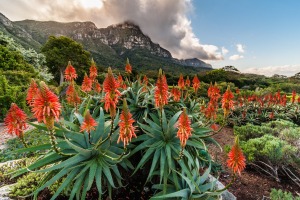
251, 184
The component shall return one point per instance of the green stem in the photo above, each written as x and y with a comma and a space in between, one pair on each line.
54, 143
23, 140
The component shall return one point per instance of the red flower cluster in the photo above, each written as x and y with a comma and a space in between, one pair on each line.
213, 93
227, 101
236, 160
184, 128
294, 94
161, 91
93, 71
127, 130
112, 94
33, 90
196, 84
72, 95
97, 87
176, 94
128, 67
87, 84
45, 106
70, 73
88, 123
181, 83
187, 82
145, 83
15, 120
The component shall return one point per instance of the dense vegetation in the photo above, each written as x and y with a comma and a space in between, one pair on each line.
264, 113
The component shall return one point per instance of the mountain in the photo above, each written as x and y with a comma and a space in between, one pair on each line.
108, 46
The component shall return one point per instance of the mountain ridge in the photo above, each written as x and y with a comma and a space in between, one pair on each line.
110, 45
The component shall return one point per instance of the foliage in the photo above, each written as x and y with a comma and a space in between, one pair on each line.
82, 154
33, 137
272, 148
60, 50
37, 60
281, 195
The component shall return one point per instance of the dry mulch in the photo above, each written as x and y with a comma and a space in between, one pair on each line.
252, 184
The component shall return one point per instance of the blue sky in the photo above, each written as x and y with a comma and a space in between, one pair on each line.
256, 36
269, 31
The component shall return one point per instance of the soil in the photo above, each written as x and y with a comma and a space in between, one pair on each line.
251, 184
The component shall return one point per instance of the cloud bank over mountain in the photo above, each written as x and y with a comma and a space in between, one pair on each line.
165, 21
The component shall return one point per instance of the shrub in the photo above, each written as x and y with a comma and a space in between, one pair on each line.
281, 195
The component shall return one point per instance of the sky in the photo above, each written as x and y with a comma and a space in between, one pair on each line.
255, 36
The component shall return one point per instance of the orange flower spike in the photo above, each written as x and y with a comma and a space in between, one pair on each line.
187, 82
128, 67
227, 101
214, 127
120, 79
72, 95
127, 130
86, 84
145, 80
112, 94
70, 72
98, 87
88, 123
33, 90
236, 159
93, 71
161, 91
46, 106
184, 128
15, 120
181, 84
293, 96
196, 83
176, 94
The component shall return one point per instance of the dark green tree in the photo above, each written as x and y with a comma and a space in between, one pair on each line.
60, 50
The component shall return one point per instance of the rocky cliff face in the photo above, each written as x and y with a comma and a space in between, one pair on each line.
109, 46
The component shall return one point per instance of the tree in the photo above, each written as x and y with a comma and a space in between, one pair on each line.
60, 50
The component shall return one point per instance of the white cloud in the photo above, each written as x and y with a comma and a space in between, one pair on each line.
288, 70
224, 51
165, 21
236, 57
240, 48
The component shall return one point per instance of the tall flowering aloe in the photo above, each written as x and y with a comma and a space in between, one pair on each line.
176, 94
127, 130
72, 95
46, 107
33, 90
187, 82
236, 159
87, 84
70, 73
196, 84
227, 101
15, 120
128, 67
88, 124
184, 128
181, 83
112, 94
161, 91
93, 71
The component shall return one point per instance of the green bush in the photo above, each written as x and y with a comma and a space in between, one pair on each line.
269, 147
33, 137
281, 195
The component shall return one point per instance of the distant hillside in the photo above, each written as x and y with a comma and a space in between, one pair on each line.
108, 46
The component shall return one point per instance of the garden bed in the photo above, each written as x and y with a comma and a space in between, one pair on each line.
252, 184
